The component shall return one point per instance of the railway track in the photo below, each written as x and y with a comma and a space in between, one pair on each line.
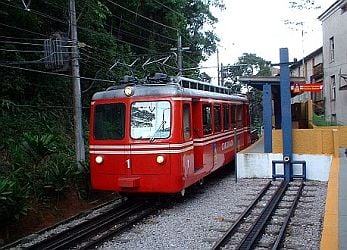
99, 228
263, 223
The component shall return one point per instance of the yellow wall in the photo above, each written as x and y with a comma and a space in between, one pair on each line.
343, 136
330, 234
313, 141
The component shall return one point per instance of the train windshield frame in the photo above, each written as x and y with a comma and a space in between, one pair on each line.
150, 120
109, 121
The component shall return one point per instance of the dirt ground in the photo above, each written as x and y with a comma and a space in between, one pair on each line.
44, 216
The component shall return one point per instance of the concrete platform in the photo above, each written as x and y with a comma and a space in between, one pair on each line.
342, 200
254, 163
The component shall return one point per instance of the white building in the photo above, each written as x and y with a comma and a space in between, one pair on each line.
311, 68
334, 26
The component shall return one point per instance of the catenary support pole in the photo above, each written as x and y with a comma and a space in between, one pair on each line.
286, 111
79, 142
267, 117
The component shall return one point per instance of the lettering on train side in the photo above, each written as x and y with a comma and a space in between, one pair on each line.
227, 145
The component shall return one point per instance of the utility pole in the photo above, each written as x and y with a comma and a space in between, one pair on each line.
75, 72
179, 50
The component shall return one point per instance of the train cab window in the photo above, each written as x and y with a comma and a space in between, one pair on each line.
206, 119
239, 116
186, 121
109, 121
217, 118
226, 111
150, 120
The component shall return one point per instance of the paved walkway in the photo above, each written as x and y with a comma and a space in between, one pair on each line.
257, 147
343, 200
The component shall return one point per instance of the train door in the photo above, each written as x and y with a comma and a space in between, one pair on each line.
247, 138
239, 126
207, 146
228, 144
187, 155
233, 126
217, 128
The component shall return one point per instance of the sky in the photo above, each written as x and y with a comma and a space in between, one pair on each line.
253, 26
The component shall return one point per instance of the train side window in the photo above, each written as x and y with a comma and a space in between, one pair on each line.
109, 121
233, 116
217, 118
206, 119
226, 117
186, 120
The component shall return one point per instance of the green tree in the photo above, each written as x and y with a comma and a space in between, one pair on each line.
261, 67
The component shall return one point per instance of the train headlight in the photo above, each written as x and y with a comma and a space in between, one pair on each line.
128, 91
99, 159
160, 159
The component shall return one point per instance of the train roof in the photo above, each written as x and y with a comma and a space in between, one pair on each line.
161, 85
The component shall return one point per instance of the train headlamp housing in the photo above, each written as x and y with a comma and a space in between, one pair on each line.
99, 159
160, 159
129, 91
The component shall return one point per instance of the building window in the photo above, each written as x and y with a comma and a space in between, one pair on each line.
333, 118
333, 87
331, 49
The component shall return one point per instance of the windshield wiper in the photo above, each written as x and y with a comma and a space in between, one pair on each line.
159, 128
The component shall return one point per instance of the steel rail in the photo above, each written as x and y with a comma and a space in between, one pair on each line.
254, 232
95, 241
228, 234
281, 234
74, 234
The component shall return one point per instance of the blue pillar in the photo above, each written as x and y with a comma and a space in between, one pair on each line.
267, 118
286, 114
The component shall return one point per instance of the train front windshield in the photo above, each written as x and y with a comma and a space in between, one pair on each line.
150, 120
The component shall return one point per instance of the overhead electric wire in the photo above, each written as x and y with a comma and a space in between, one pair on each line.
86, 29
144, 17
55, 74
38, 13
95, 60
168, 8
143, 28
119, 40
23, 51
22, 29
137, 36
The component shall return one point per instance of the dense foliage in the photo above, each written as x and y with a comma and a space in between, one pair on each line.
114, 38
250, 64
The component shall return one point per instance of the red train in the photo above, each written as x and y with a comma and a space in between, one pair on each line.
162, 135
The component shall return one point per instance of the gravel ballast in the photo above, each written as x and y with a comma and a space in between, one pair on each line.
207, 212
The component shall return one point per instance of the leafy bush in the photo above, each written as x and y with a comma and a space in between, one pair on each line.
14, 200
38, 147
82, 181
58, 175
319, 120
